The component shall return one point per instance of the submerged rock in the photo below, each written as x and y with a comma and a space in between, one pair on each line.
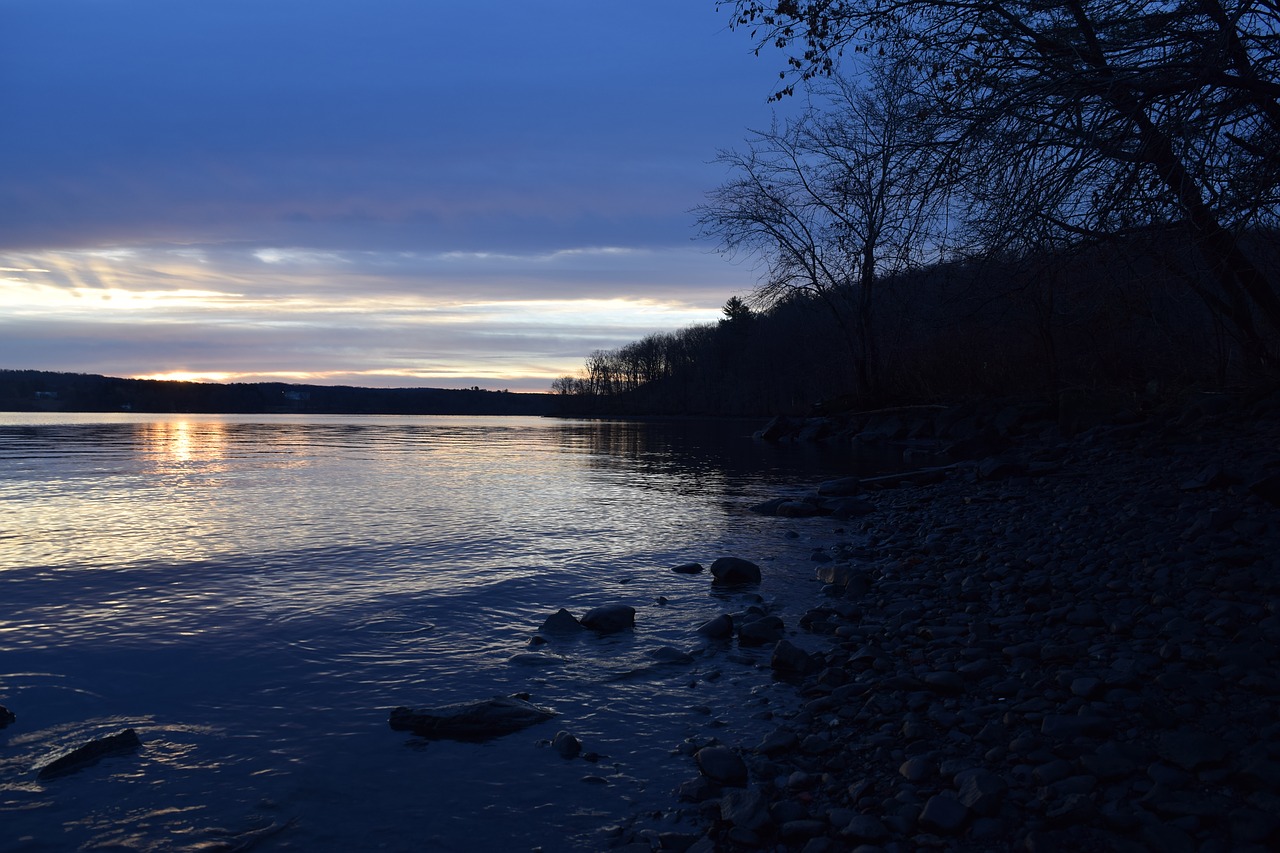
610, 618
688, 569
734, 570
476, 721
566, 744
120, 743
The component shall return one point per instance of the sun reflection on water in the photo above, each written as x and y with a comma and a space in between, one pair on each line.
184, 441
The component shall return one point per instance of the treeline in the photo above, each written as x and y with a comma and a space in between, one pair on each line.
1107, 317
974, 192
34, 390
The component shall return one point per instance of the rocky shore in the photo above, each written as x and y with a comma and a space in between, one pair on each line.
1072, 645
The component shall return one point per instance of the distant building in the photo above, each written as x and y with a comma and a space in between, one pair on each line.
46, 395
297, 396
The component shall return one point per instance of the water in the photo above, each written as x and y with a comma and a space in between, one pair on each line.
253, 594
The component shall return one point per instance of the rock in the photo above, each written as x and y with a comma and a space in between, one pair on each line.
778, 428
610, 618
535, 659
868, 829
746, 809
769, 507
1210, 476
981, 791
840, 488
847, 508
6, 716
787, 659
796, 509
761, 632
719, 628
470, 721
688, 569
729, 571
943, 813
944, 682
1069, 726
561, 622
1268, 488
1191, 750
1000, 468
120, 743
566, 744
852, 578
778, 742
668, 654
723, 765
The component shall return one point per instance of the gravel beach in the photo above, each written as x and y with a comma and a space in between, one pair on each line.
1073, 645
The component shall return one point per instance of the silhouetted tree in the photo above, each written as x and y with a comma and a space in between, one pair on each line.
1128, 112
836, 200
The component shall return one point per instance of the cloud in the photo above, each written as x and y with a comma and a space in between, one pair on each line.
337, 188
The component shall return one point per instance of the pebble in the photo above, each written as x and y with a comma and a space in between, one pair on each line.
1076, 646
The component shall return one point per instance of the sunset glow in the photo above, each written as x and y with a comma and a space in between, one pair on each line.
260, 211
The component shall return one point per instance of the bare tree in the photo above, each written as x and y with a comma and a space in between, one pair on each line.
1131, 112
834, 201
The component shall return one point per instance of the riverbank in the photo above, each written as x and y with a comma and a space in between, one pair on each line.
1075, 645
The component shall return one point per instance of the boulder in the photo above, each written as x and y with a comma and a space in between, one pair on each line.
787, 659
561, 622
770, 507
796, 509
566, 744
719, 628
472, 721
761, 632
610, 618
688, 569
723, 765
6, 716
121, 743
776, 429
943, 813
729, 571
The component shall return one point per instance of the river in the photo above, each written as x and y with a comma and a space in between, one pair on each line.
252, 594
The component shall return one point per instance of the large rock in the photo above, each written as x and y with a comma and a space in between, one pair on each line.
6, 716
729, 571
610, 618
719, 628
761, 632
121, 743
787, 659
474, 721
561, 622
723, 765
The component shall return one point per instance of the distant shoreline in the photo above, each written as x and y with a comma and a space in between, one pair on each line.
45, 391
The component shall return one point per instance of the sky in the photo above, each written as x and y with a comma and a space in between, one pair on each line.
368, 192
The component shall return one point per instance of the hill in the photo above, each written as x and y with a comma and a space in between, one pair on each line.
37, 390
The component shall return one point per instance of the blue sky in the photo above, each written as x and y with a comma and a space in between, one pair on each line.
374, 192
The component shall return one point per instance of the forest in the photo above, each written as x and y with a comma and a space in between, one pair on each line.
37, 390
977, 198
